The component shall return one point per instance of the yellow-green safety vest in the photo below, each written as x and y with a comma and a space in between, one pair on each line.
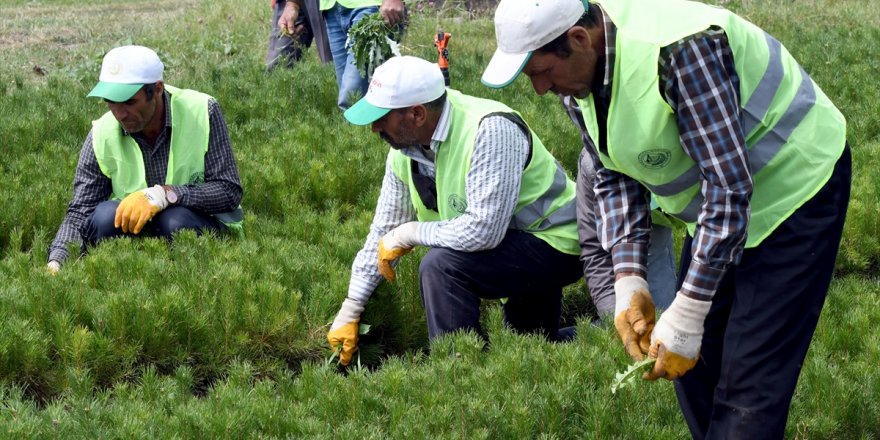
350, 4
794, 133
120, 158
545, 207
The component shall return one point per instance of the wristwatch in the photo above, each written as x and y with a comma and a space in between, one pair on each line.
170, 195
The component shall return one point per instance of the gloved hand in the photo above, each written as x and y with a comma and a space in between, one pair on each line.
395, 244
344, 330
677, 337
138, 208
634, 315
53, 267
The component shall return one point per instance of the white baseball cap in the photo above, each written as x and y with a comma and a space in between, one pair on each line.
400, 82
125, 70
521, 27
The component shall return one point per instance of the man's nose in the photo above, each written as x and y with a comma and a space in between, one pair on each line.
540, 85
118, 111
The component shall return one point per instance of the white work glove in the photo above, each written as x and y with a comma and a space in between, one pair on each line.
634, 315
677, 338
343, 334
139, 207
396, 243
53, 267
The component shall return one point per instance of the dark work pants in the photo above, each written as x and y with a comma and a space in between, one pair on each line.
99, 225
523, 268
284, 50
762, 320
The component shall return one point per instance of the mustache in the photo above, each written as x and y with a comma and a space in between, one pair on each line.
391, 142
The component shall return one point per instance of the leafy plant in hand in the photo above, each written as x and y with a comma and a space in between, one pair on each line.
628, 377
372, 42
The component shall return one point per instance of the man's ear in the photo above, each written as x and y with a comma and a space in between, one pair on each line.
579, 39
420, 115
160, 87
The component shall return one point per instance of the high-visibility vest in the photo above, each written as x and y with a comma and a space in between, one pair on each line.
545, 207
350, 4
793, 132
120, 158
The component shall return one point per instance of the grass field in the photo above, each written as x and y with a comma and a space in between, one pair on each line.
216, 337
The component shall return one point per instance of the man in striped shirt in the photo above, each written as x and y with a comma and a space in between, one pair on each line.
468, 179
728, 132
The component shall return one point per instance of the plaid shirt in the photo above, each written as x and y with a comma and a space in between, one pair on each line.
699, 81
221, 191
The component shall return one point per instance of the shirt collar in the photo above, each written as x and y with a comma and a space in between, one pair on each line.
610, 41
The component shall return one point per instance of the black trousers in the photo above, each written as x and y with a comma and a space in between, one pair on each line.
522, 268
99, 226
762, 320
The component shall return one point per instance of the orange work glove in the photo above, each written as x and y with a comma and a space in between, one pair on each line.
677, 338
395, 244
634, 315
138, 208
343, 334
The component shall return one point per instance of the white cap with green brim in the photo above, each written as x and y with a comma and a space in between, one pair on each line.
125, 70
400, 82
523, 26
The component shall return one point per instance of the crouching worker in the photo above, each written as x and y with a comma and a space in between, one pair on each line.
467, 178
159, 161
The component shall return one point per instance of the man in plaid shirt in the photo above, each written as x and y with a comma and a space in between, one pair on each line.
716, 119
136, 174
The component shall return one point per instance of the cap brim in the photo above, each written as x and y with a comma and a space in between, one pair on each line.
503, 68
114, 91
363, 113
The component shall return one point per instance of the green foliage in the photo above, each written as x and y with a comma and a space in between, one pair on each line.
372, 42
629, 376
216, 337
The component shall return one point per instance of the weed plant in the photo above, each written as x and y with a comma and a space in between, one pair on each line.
213, 337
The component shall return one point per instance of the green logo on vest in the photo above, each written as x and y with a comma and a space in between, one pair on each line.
457, 203
197, 178
656, 158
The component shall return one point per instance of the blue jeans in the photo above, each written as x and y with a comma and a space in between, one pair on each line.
99, 226
350, 82
661, 266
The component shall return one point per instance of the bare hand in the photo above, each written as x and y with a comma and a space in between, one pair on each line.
393, 11
287, 21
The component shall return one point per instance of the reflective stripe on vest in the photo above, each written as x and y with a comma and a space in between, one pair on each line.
752, 113
533, 213
545, 207
793, 132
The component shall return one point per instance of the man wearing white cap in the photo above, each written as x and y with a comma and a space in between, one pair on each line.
468, 179
159, 161
718, 121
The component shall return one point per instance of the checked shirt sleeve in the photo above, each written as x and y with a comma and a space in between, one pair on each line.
701, 84
90, 187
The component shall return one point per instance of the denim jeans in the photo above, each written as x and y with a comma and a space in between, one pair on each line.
350, 82
661, 266
100, 225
